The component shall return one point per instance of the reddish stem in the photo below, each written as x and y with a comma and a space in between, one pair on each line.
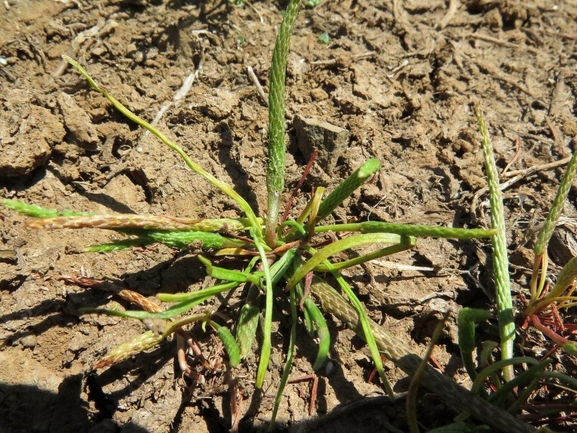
561, 341
298, 187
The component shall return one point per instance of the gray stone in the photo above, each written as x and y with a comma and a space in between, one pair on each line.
29, 341
329, 140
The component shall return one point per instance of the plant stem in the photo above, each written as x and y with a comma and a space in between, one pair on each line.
540, 249
500, 259
556, 208
277, 144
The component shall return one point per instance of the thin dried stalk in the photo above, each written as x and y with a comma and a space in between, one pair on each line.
146, 222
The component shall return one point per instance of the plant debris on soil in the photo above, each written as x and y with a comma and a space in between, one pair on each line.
395, 80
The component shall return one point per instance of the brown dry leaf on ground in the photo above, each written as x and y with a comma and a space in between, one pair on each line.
399, 76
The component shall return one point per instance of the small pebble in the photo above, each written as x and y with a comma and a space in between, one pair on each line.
28, 342
329, 368
319, 94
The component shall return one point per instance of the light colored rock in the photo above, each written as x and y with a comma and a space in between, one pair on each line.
329, 140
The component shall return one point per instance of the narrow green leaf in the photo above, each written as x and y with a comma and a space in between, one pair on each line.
246, 327
173, 311
229, 343
346, 187
565, 280
322, 330
289, 358
223, 273
119, 245
504, 392
499, 365
37, 211
570, 347
199, 294
466, 321
406, 243
366, 327
266, 345
337, 247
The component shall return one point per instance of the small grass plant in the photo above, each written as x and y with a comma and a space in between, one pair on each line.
510, 388
279, 260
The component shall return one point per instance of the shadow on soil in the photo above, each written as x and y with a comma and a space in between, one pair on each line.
25, 409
